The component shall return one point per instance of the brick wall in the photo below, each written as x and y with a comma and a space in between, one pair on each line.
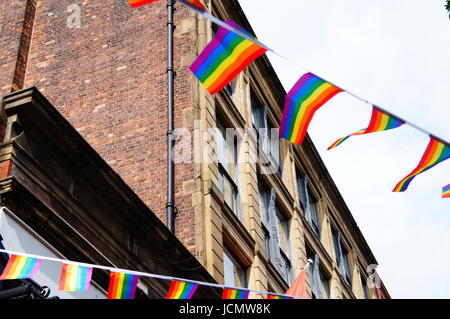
108, 78
11, 26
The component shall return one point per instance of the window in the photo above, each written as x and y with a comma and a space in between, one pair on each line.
320, 283
227, 155
325, 286
267, 135
302, 189
229, 89
276, 232
264, 201
284, 246
342, 258
364, 287
283, 230
312, 211
234, 273
308, 203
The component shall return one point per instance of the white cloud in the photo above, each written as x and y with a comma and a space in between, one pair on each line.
395, 54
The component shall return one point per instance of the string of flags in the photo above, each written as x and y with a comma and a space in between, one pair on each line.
233, 49
76, 277
446, 191
379, 121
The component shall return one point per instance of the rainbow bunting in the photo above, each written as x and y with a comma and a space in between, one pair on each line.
140, 3
224, 58
229, 293
446, 191
75, 278
303, 100
20, 267
194, 4
380, 121
277, 297
122, 286
435, 153
181, 290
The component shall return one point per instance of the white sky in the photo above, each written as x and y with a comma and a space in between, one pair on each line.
395, 54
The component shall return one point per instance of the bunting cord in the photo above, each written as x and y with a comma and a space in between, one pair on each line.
230, 28
142, 274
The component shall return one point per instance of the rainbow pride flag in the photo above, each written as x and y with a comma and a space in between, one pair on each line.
194, 4
277, 297
229, 293
303, 100
140, 3
380, 121
75, 278
122, 286
181, 290
446, 191
20, 267
435, 153
224, 58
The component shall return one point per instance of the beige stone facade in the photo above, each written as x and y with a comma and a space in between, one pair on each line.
219, 228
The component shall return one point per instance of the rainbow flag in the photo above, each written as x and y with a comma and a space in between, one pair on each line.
181, 290
122, 286
446, 191
380, 121
20, 267
75, 278
194, 4
140, 3
224, 58
229, 293
277, 297
435, 153
303, 100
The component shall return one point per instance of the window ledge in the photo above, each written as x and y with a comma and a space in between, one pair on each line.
273, 272
228, 107
238, 234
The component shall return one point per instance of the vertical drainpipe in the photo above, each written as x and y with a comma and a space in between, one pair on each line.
170, 206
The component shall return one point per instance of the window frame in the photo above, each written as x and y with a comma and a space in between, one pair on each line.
281, 220
308, 202
224, 174
347, 275
238, 266
261, 121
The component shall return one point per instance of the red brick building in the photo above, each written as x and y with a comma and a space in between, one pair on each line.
108, 78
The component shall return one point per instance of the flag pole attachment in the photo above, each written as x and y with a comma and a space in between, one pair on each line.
170, 206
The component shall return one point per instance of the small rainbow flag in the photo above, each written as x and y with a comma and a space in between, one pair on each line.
277, 297
194, 4
446, 191
224, 58
181, 290
122, 286
303, 100
380, 121
435, 153
75, 278
229, 293
140, 3
20, 267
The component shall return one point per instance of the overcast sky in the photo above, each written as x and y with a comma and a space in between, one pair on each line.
395, 54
